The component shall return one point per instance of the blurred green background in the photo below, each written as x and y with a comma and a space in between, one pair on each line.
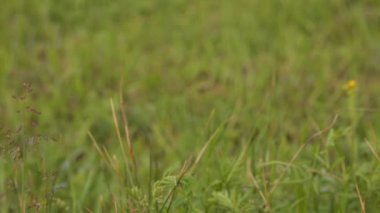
270, 72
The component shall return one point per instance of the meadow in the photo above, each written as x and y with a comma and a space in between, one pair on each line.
190, 106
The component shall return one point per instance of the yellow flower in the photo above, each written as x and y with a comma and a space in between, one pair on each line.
350, 86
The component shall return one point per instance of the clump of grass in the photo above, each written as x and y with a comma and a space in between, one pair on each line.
23, 166
160, 193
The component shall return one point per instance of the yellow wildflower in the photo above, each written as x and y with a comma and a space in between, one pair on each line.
350, 86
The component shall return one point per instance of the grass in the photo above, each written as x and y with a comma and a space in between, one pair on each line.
179, 106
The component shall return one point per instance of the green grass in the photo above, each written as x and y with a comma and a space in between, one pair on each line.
232, 106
